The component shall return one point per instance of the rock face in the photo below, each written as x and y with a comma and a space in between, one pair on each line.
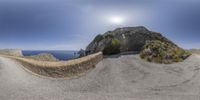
123, 39
11, 52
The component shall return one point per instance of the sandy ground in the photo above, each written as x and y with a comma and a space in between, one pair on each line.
123, 78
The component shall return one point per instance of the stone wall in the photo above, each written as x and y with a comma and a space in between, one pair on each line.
11, 52
61, 68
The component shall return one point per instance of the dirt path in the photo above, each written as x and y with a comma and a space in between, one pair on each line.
123, 78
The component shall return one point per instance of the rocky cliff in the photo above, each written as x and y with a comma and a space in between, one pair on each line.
123, 39
11, 52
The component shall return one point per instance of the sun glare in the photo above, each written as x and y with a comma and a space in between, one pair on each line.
116, 20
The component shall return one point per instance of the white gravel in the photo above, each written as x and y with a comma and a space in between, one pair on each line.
124, 78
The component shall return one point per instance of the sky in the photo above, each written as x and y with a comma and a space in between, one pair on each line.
72, 24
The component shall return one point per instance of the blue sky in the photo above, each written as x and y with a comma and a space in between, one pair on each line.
72, 24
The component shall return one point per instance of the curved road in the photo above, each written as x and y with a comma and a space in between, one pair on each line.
123, 78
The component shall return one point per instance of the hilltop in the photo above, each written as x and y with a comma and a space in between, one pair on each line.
124, 39
159, 50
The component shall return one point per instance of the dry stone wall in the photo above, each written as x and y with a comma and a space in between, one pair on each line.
61, 68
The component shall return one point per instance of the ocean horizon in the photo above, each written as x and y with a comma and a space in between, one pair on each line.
59, 54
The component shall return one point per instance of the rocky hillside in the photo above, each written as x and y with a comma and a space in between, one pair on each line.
123, 39
11, 52
43, 57
163, 52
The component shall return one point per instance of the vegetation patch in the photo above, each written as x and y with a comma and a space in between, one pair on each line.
43, 57
112, 48
109, 36
112, 44
163, 52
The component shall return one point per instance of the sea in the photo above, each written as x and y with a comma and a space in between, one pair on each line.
59, 54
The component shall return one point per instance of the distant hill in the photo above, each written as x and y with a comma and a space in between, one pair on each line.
43, 57
11, 52
196, 51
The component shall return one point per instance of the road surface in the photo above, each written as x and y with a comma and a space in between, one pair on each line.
123, 78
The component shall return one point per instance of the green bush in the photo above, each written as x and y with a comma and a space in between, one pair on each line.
109, 36
112, 48
115, 42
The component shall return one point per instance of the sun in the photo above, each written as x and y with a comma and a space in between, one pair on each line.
116, 20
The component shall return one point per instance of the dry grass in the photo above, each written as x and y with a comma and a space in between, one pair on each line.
60, 68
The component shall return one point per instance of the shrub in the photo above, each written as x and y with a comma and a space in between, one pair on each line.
142, 55
115, 42
112, 48
109, 36
162, 52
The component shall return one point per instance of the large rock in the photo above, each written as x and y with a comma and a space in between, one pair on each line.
123, 39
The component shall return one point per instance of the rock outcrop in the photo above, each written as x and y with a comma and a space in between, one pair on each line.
123, 39
11, 52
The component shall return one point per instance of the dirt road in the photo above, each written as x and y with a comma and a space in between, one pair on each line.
124, 78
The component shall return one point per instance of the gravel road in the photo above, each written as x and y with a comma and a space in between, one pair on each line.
124, 78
